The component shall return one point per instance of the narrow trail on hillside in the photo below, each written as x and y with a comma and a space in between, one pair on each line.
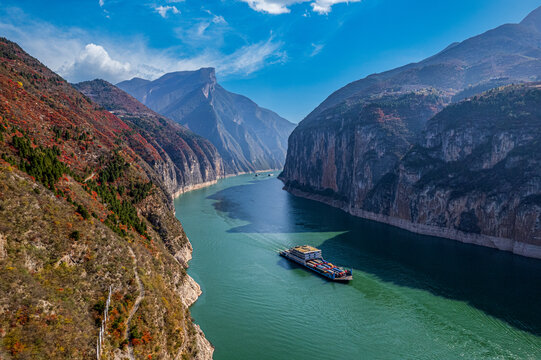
136, 305
90, 177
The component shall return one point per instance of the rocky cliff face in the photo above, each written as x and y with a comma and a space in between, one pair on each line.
248, 137
473, 176
83, 210
476, 171
338, 156
186, 160
344, 154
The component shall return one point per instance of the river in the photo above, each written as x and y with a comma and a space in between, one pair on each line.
412, 297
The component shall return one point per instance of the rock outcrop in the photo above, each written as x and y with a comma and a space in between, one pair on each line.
248, 137
380, 148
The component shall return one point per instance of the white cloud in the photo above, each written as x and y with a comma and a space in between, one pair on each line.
270, 6
324, 6
251, 58
203, 31
101, 2
282, 6
77, 55
94, 62
163, 10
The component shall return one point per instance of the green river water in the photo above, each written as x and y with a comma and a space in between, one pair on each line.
412, 297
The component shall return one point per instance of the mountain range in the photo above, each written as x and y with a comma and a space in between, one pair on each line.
424, 148
249, 138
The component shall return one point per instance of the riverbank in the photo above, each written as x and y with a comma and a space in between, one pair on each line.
202, 185
190, 290
411, 294
503, 244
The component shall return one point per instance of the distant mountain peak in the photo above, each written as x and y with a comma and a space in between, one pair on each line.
203, 75
533, 19
248, 137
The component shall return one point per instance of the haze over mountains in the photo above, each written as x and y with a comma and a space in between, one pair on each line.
377, 149
248, 138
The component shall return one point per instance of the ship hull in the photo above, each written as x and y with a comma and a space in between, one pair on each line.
293, 258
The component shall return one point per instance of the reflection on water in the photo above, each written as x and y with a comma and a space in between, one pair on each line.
405, 285
505, 285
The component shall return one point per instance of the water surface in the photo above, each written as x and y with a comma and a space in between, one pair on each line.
412, 297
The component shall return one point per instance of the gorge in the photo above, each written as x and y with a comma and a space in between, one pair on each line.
404, 147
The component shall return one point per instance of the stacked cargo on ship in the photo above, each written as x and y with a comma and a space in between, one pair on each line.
310, 257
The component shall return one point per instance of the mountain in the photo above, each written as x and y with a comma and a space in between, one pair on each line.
187, 161
508, 54
84, 212
354, 150
248, 138
475, 175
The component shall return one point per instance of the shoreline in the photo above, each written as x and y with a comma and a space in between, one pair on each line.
503, 244
205, 347
205, 184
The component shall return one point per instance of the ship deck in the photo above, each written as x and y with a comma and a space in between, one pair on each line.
309, 265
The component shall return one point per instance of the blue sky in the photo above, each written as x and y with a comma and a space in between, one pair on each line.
287, 55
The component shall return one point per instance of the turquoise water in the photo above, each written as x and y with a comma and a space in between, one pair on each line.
412, 297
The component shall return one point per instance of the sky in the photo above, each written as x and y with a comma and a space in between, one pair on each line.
286, 55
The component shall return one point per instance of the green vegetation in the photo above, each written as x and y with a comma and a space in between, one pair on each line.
114, 169
40, 162
124, 215
83, 211
139, 191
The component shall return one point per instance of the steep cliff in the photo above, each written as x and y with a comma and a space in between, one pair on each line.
337, 156
474, 175
343, 154
248, 137
82, 211
187, 161
475, 172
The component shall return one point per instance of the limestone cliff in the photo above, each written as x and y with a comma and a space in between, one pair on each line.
473, 176
344, 154
371, 149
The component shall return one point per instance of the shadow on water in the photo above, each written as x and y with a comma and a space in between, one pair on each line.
501, 284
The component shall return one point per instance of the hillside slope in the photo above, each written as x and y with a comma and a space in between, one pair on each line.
188, 160
78, 193
508, 54
248, 138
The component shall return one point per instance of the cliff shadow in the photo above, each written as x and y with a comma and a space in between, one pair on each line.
498, 283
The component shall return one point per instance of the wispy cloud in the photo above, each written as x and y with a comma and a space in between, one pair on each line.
78, 55
276, 7
163, 10
316, 49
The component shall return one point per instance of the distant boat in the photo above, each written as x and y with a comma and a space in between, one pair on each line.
311, 258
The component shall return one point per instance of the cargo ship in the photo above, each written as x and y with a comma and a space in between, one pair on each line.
311, 258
